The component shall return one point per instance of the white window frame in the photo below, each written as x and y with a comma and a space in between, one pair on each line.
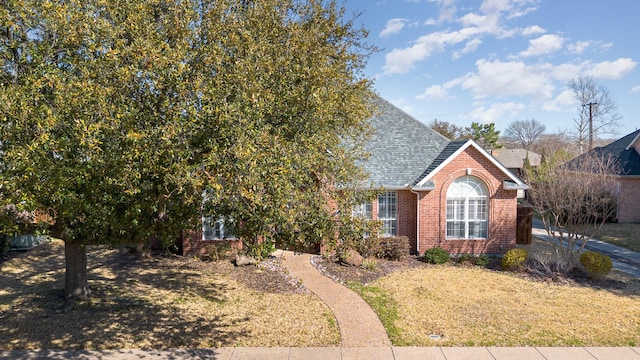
388, 213
467, 209
216, 230
363, 210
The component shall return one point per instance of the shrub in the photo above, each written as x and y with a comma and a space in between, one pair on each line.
219, 251
369, 264
482, 260
394, 248
596, 264
368, 247
479, 260
436, 255
260, 250
514, 259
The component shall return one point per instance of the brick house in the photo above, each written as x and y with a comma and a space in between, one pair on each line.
437, 192
626, 152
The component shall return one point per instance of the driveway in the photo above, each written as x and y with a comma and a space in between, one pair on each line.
623, 259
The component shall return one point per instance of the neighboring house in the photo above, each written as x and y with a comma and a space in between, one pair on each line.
451, 194
514, 159
437, 192
626, 152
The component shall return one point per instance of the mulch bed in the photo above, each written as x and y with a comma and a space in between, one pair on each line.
343, 274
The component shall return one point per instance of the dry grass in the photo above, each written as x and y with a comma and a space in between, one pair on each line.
626, 235
474, 306
153, 303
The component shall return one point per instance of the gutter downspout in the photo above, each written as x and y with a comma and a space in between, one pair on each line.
416, 190
417, 220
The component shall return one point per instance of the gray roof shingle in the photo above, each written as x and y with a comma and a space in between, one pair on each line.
628, 160
401, 147
514, 158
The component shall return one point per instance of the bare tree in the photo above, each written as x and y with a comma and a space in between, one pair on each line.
449, 130
574, 199
524, 132
597, 113
556, 143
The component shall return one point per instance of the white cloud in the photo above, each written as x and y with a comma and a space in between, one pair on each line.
635, 89
474, 26
439, 91
533, 30
612, 69
512, 78
400, 61
433, 92
513, 9
393, 26
495, 112
469, 47
545, 44
447, 11
562, 102
579, 47
567, 71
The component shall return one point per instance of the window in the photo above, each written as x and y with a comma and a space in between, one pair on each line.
215, 229
362, 210
467, 209
388, 213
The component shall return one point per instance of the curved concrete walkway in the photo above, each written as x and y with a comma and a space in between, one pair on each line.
359, 325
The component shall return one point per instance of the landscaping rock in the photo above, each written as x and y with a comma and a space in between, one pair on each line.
244, 260
352, 258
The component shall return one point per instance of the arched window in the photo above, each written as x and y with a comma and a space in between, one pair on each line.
467, 209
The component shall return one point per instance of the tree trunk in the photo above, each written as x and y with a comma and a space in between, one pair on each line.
76, 286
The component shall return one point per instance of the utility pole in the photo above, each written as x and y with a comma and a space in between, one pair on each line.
591, 104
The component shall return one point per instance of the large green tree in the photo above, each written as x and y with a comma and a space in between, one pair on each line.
117, 116
485, 135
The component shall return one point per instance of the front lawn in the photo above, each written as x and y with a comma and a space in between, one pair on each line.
478, 307
625, 235
453, 305
156, 302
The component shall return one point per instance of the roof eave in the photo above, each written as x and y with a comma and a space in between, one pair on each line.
484, 152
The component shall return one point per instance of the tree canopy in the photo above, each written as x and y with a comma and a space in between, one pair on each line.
524, 132
597, 112
485, 135
117, 116
449, 130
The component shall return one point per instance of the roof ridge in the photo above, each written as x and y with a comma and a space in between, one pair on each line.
409, 116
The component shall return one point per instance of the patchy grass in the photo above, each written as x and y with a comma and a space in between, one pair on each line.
626, 235
154, 302
384, 305
470, 306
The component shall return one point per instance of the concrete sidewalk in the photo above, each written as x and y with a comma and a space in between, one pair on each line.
344, 353
358, 323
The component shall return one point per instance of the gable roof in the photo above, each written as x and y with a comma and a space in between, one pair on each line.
454, 149
401, 146
625, 153
406, 152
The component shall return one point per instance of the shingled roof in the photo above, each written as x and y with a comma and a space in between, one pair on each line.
401, 147
624, 151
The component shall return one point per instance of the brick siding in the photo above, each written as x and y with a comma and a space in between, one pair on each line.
629, 200
502, 209
192, 243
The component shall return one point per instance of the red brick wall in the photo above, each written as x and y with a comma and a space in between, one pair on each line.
192, 243
629, 200
502, 208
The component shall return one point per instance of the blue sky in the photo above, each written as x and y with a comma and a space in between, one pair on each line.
502, 60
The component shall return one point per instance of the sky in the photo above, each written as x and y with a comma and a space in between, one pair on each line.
498, 61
